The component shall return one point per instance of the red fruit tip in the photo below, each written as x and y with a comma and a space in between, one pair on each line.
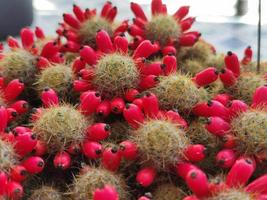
25, 105
98, 151
114, 150
249, 47
97, 94
46, 89
40, 164
209, 103
222, 71
14, 114
229, 53
127, 106
193, 175
107, 127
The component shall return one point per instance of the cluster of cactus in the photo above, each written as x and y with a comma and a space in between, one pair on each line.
96, 113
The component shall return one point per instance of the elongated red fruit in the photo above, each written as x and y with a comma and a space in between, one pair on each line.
232, 63
121, 44
217, 126
3, 182
4, 118
78, 64
34, 164
223, 98
170, 64
40, 148
86, 74
248, 53
117, 105
81, 85
135, 30
133, 115
20, 106
62, 160
188, 40
71, 46
90, 102
139, 103
104, 42
20, 130
107, 193
260, 97
176, 118
229, 141
183, 168
14, 190
89, 55
129, 150
191, 198
98, 132
39, 33
12, 43
131, 94
18, 173
112, 14
156, 7
206, 76
25, 143
240, 172
50, 49
13, 89
181, 12
111, 159
49, 97
186, 24
121, 28
227, 77
27, 38
150, 105
144, 49
106, 8
148, 82
169, 50
71, 20
258, 185
155, 68
146, 176
226, 158
197, 181
139, 22
79, 13
236, 107
138, 11
42, 63
92, 150
104, 108
195, 153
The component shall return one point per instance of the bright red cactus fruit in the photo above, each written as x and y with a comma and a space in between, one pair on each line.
92, 150
13, 89
34, 164
18, 173
117, 105
62, 160
217, 126
49, 97
133, 115
259, 98
107, 193
232, 63
25, 143
89, 102
111, 159
195, 153
14, 190
227, 77
206, 77
128, 150
248, 53
162, 28
146, 176
3, 182
223, 98
98, 132
226, 158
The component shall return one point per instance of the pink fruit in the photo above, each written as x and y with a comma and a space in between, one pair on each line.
62, 160
226, 158
111, 159
195, 153
34, 164
129, 150
92, 150
107, 193
98, 132
133, 115
146, 176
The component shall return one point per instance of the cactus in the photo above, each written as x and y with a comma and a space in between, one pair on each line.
18, 64
84, 185
58, 77
177, 91
58, 126
8, 157
114, 74
46, 193
161, 142
216, 60
233, 194
250, 129
167, 191
162, 28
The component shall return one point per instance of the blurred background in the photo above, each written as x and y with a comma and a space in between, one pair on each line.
228, 24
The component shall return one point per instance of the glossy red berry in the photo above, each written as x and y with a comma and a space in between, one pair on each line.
128, 150
49, 97
111, 159
107, 193
103, 109
62, 160
92, 150
206, 77
25, 143
133, 115
226, 158
195, 153
217, 126
89, 102
14, 190
98, 132
34, 164
13, 89
18, 173
232, 63
150, 105
146, 176
117, 105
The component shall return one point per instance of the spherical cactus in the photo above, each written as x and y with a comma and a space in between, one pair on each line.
8, 156
114, 74
161, 142
46, 193
177, 91
233, 194
20, 64
216, 60
58, 126
167, 191
250, 129
120, 131
245, 86
162, 28
192, 66
59, 77
84, 185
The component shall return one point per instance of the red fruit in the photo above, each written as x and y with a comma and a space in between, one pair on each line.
18, 173
86, 74
12, 114
236, 107
20, 106
12, 42
195, 153
181, 12
187, 23
89, 102
121, 28
27, 38
62, 160
227, 77
260, 97
145, 49
13, 89
4, 118
49, 97
74, 148
232, 63
229, 141
148, 82
107, 193
71, 20
240, 172
139, 103
103, 109
129, 150
138, 11
217, 126
50, 49
226, 158
111, 159
25, 143
42, 63
206, 76
258, 186
156, 7
223, 98
121, 44
14, 190
71, 46
188, 40
135, 30
104, 42
133, 115
176, 118
40, 148
58, 58
248, 53
182, 169
73, 38
150, 105
89, 55
34, 164
154, 68
112, 14
106, 8
81, 85
146, 176
191, 198
98, 132
136, 42
92, 150
143, 198
117, 105
78, 64
139, 22
197, 181
170, 64
169, 50
3, 183
131, 94
39, 33
78, 12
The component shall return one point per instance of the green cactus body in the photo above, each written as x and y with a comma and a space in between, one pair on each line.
8, 157
167, 191
46, 193
232, 194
